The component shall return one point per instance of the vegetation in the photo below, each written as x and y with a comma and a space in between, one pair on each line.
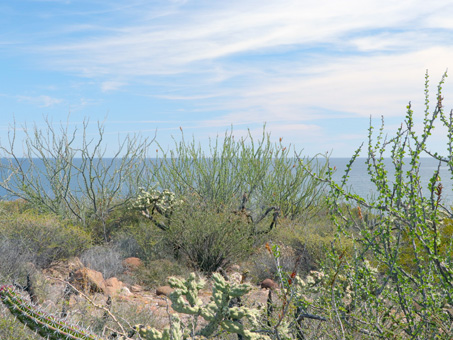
72, 178
399, 277
347, 267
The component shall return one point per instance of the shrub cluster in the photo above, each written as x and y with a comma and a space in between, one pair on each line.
383, 269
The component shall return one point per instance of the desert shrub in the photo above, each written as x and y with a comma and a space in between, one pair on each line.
389, 295
64, 171
105, 259
262, 264
268, 173
142, 240
209, 236
310, 241
14, 207
155, 273
114, 223
45, 236
14, 258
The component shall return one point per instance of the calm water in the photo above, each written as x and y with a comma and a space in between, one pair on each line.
359, 180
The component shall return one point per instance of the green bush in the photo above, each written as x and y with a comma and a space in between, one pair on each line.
142, 240
45, 236
210, 236
398, 282
268, 173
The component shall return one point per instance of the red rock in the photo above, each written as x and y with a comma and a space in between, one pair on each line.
112, 286
132, 263
269, 284
89, 280
164, 290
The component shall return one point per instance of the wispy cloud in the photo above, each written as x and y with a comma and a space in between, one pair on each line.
41, 101
221, 29
374, 44
108, 86
294, 65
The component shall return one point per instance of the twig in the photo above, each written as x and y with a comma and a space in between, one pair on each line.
106, 310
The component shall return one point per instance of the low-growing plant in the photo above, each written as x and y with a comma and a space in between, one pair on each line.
15, 257
156, 272
105, 259
209, 237
46, 236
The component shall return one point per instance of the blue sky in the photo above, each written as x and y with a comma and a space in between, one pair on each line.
313, 71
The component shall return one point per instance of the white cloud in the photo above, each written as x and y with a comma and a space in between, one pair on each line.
289, 63
215, 31
41, 101
108, 86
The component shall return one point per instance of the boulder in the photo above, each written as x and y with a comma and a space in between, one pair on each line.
164, 290
132, 263
136, 289
112, 286
269, 284
89, 280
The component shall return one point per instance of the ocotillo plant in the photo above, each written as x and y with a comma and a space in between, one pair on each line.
40, 322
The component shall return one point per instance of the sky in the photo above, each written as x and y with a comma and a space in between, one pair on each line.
312, 72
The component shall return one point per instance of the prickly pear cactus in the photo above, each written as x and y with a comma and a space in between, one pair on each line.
40, 322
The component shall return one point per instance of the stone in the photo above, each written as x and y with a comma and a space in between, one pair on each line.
89, 280
136, 289
124, 291
112, 286
269, 284
164, 290
132, 263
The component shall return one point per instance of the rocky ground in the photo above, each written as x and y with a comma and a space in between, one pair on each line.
152, 303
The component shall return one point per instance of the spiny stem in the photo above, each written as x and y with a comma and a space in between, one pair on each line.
38, 321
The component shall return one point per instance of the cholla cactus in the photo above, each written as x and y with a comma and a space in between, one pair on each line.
174, 333
149, 201
218, 312
40, 322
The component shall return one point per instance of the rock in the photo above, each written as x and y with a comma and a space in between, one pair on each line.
75, 263
132, 263
269, 284
89, 280
164, 290
136, 289
62, 269
124, 291
112, 286
162, 303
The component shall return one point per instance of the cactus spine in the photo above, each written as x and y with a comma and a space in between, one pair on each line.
40, 322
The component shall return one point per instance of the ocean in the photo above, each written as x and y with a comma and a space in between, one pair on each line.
359, 181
